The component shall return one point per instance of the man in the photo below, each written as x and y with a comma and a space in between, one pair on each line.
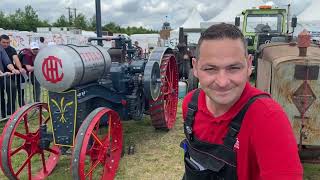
28, 61
42, 44
139, 51
12, 53
6, 69
233, 130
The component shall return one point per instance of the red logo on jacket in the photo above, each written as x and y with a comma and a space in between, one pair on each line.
236, 145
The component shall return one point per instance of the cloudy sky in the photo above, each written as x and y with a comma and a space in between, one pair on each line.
147, 13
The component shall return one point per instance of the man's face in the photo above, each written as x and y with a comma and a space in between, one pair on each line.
5, 43
223, 70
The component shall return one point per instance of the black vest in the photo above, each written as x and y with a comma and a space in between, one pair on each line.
218, 160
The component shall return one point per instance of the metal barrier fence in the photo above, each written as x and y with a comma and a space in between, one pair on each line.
18, 90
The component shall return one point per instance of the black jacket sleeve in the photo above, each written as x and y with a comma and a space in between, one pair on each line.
4, 58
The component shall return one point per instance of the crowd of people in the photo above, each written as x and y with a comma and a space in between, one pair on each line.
15, 70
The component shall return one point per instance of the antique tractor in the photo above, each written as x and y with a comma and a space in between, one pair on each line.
184, 53
290, 72
90, 90
261, 24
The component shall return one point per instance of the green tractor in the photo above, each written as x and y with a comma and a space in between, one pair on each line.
261, 25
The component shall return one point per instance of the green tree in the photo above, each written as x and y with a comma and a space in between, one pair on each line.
30, 19
61, 22
4, 20
114, 28
81, 22
27, 20
92, 23
24, 20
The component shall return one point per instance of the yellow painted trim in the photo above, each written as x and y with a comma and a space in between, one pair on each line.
74, 121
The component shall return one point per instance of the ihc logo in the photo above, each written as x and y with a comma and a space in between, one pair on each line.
50, 69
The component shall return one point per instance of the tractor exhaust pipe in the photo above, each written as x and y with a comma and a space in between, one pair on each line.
98, 22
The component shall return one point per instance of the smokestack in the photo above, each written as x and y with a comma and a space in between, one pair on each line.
98, 21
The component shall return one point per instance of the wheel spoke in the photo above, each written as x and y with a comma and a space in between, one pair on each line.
46, 121
25, 119
93, 168
24, 164
17, 150
40, 115
21, 136
29, 170
96, 138
43, 162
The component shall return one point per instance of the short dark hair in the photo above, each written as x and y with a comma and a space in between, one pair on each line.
221, 31
42, 39
4, 36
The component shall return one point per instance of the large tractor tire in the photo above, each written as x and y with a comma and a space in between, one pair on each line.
98, 148
163, 110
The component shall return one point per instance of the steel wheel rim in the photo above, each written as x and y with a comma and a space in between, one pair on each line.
30, 146
171, 98
100, 153
163, 110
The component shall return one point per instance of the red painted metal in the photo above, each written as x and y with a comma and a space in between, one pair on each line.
101, 146
29, 139
163, 111
50, 69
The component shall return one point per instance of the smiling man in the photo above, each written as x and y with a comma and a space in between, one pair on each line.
233, 130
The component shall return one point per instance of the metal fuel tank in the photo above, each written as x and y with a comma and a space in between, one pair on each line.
60, 67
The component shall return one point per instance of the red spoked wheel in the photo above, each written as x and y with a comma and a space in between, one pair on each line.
98, 146
163, 111
21, 154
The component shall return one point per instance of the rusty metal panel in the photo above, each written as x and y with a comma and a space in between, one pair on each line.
299, 97
273, 51
302, 72
264, 75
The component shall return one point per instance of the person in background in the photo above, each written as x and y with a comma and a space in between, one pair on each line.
12, 53
138, 48
42, 44
233, 130
28, 62
6, 69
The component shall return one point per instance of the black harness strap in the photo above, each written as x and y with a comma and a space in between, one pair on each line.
218, 160
191, 112
235, 124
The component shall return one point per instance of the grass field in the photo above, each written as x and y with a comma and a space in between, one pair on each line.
157, 155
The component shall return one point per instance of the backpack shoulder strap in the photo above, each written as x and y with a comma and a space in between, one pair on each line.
235, 124
191, 112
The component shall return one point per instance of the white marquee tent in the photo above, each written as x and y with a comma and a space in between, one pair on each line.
193, 21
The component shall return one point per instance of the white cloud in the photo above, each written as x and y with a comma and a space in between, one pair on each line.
162, 7
149, 13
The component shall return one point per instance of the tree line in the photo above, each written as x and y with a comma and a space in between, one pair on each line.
27, 20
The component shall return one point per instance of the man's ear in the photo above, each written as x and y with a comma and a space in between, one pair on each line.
194, 65
249, 63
